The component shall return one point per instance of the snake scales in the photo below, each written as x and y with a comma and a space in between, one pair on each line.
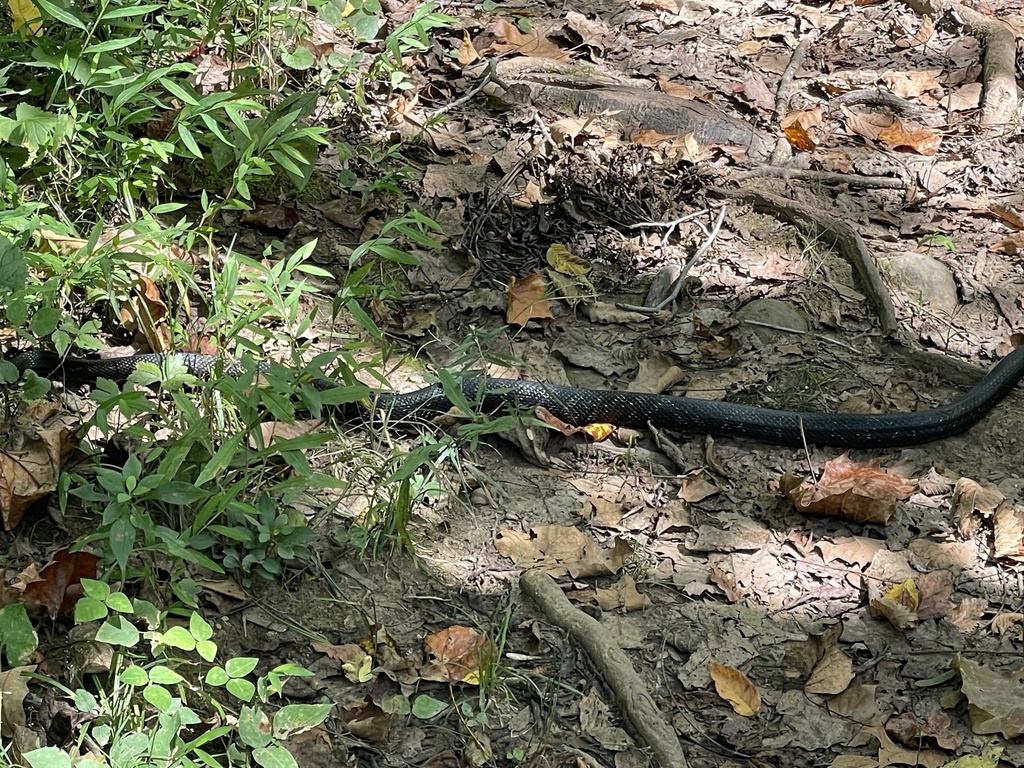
624, 409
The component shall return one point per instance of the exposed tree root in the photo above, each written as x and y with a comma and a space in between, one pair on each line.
613, 664
999, 101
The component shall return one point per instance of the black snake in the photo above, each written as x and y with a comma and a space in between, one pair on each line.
625, 409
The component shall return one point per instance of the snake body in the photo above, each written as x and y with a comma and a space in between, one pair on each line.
636, 410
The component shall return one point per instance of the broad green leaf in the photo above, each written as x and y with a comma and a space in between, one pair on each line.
87, 609
425, 707
178, 637
118, 631
274, 756
158, 696
293, 719
17, 636
254, 727
13, 267
134, 675
48, 757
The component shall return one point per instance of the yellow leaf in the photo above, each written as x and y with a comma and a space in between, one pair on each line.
733, 686
23, 12
561, 259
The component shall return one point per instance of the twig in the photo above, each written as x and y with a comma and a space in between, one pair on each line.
633, 698
490, 76
677, 285
784, 93
873, 96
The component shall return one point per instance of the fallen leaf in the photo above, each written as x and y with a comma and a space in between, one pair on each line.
59, 585
622, 595
923, 141
526, 300
996, 698
733, 686
457, 655
862, 492
533, 43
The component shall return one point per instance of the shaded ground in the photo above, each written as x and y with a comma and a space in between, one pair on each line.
725, 569
713, 564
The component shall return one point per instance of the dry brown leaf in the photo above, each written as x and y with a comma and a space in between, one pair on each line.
356, 663
560, 550
802, 656
852, 550
923, 141
800, 127
14, 684
996, 698
366, 720
969, 614
696, 487
534, 43
271, 215
1008, 530
1003, 621
866, 124
457, 654
905, 38
849, 489
622, 596
467, 52
59, 585
970, 499
733, 686
913, 733
832, 674
526, 300
725, 582
30, 471
594, 432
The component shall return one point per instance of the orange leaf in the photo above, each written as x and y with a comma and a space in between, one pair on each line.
923, 141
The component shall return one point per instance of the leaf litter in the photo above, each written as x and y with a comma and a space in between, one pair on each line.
887, 632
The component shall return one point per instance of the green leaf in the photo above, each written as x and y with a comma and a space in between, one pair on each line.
98, 590
13, 267
177, 637
296, 718
122, 541
134, 675
199, 627
177, 89
188, 141
87, 609
274, 756
165, 675
301, 58
221, 459
217, 676
119, 602
48, 757
45, 321
207, 650
425, 707
241, 666
56, 10
254, 727
110, 45
17, 637
118, 631
241, 689
85, 701
177, 492
159, 697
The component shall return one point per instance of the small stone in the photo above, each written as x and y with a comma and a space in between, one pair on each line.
780, 316
923, 279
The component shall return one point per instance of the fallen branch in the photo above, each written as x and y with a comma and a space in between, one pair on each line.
613, 664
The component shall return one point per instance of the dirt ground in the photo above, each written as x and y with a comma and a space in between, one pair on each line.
684, 548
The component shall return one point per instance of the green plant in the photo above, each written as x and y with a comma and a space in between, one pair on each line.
153, 707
